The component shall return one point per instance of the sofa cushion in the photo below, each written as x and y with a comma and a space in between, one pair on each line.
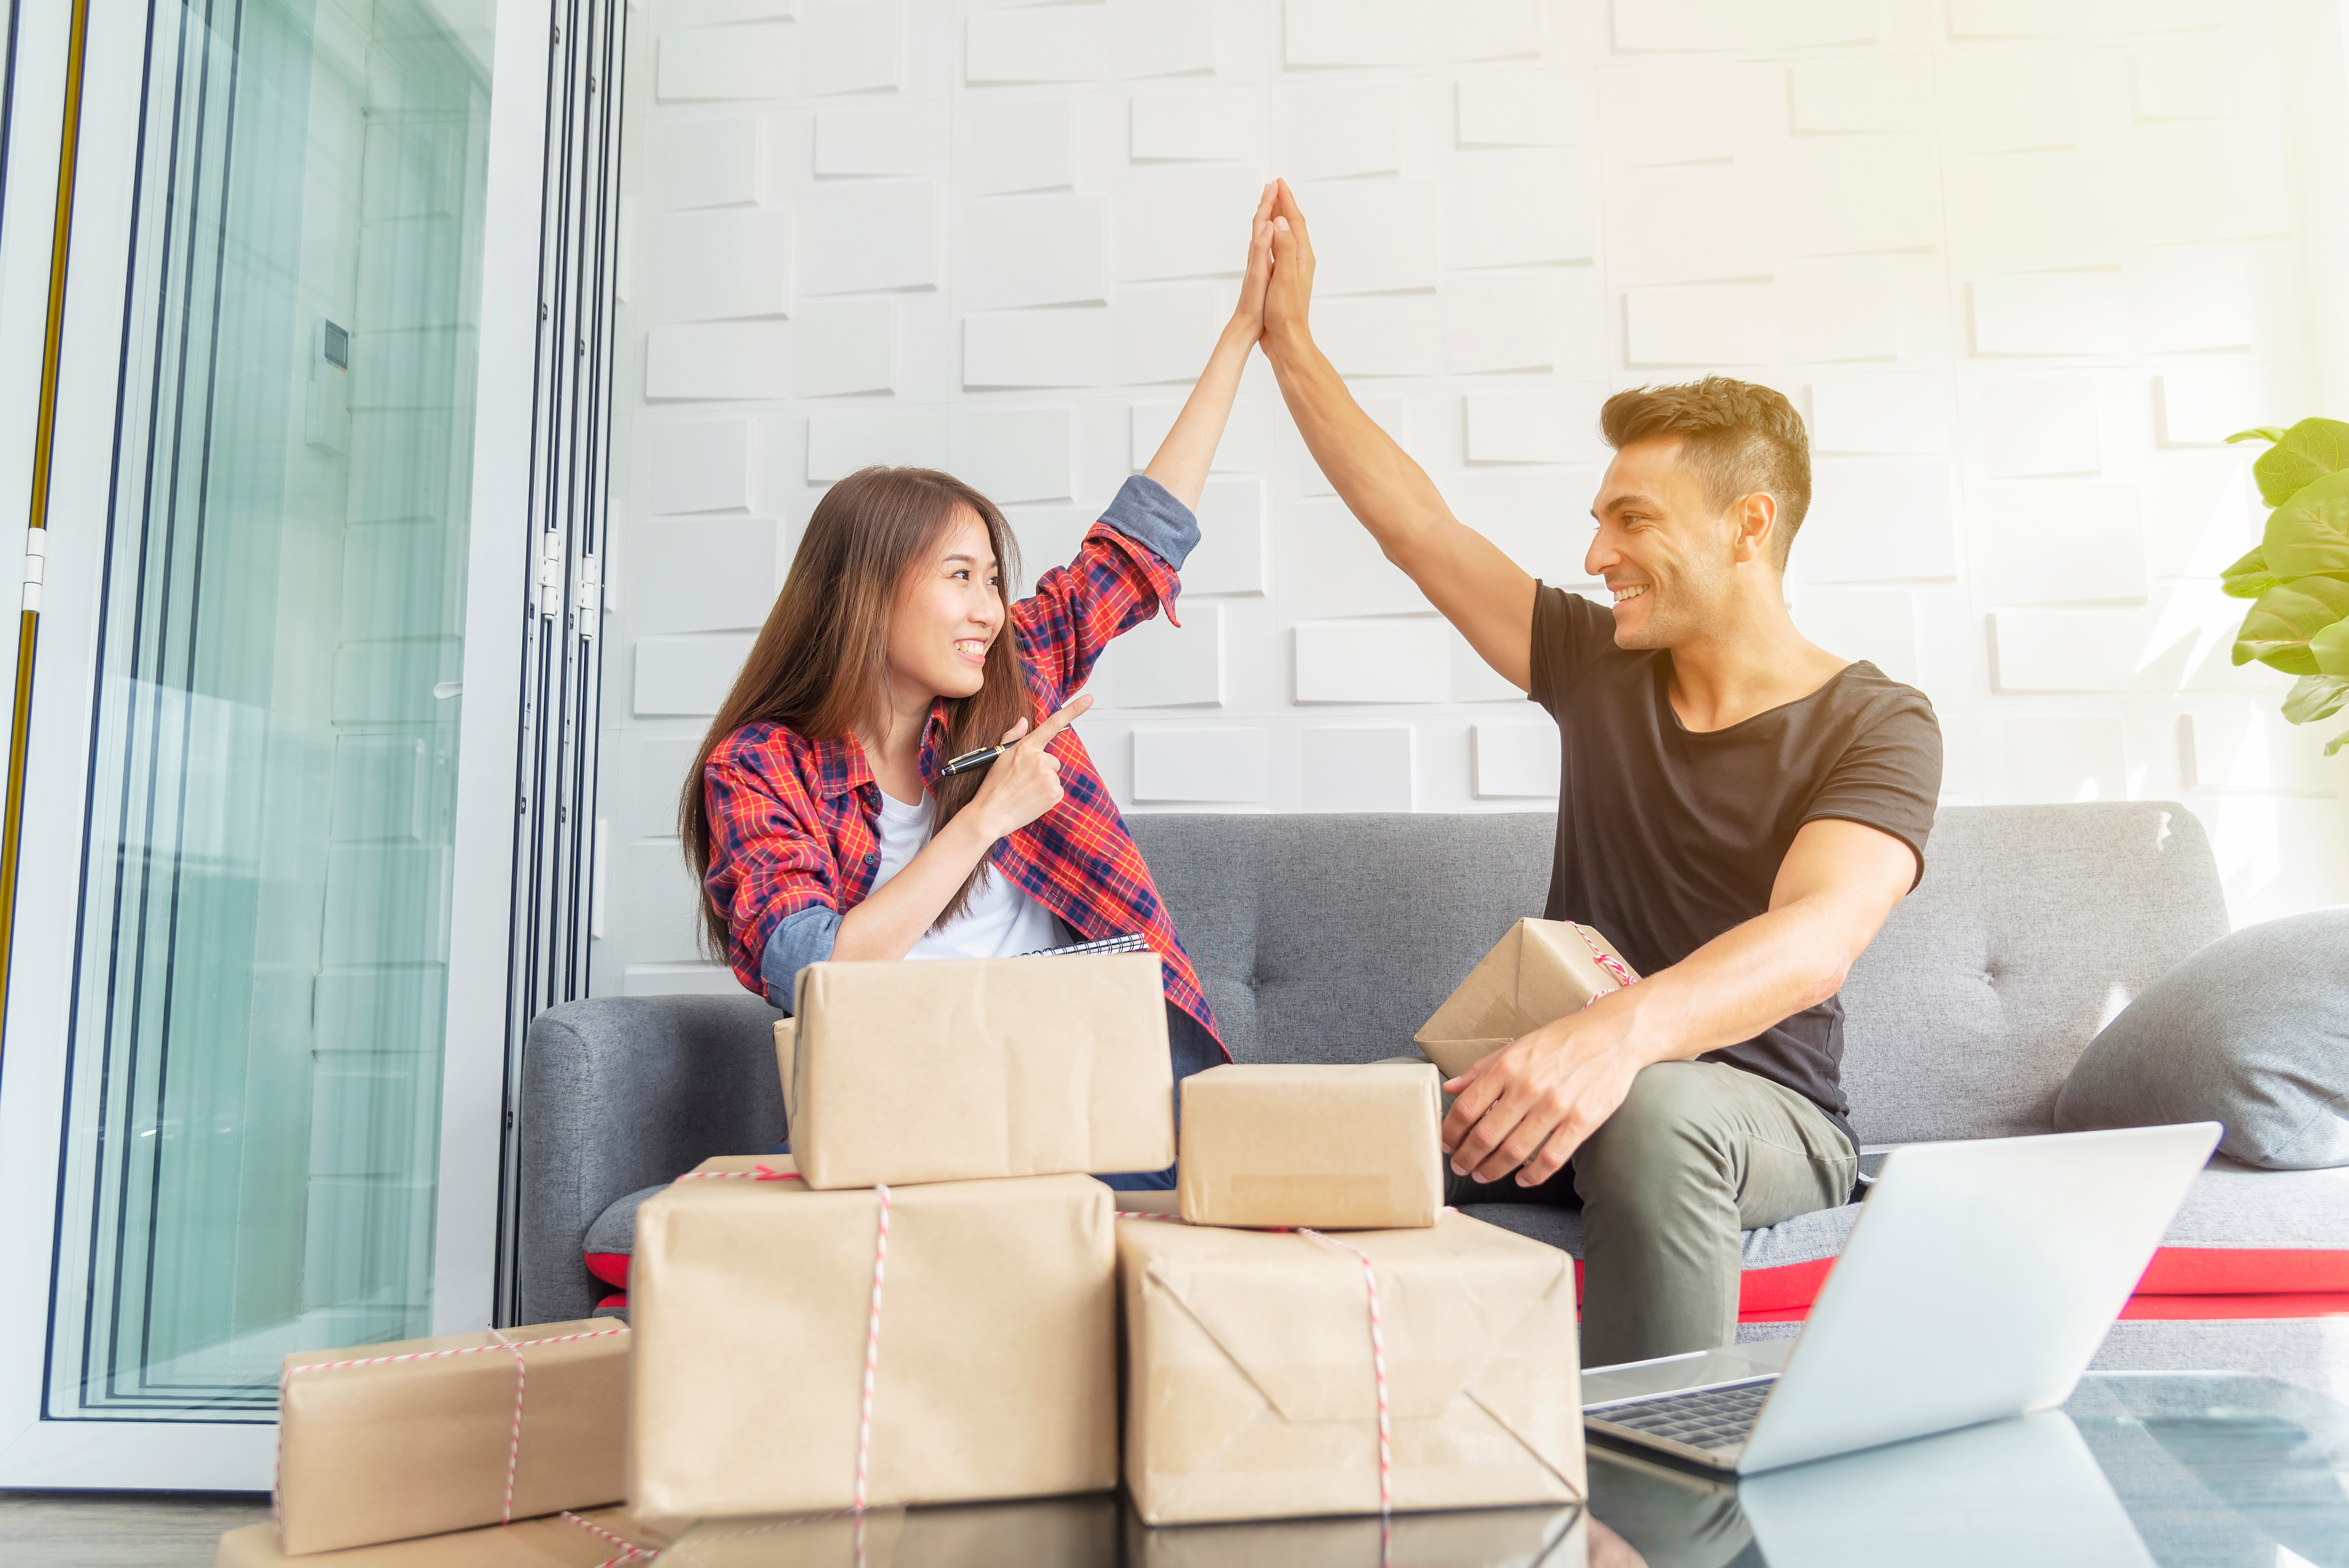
1333, 938
2252, 1031
2033, 925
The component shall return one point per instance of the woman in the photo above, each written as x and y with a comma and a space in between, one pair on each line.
817, 821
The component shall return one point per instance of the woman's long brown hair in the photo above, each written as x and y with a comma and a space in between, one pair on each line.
821, 665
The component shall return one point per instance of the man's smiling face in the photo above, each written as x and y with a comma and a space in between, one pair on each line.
1660, 548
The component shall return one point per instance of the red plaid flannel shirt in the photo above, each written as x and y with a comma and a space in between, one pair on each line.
792, 819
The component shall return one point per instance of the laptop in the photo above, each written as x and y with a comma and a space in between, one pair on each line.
1977, 1283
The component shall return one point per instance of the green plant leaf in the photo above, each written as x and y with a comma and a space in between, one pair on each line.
2330, 649
2306, 453
2248, 578
2335, 743
2269, 433
2316, 697
2309, 534
2278, 629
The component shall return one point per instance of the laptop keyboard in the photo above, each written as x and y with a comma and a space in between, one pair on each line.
1701, 1419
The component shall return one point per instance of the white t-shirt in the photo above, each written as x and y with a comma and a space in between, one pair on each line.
1001, 921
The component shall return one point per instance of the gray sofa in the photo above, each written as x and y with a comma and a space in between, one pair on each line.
1332, 939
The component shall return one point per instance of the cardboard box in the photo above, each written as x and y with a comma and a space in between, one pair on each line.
997, 1372
1043, 1533
591, 1540
1541, 971
964, 1069
382, 1442
1339, 1147
1250, 1388
1488, 1537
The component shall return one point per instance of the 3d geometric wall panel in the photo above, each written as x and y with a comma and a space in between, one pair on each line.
2021, 267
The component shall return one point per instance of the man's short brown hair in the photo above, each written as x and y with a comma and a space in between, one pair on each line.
1739, 437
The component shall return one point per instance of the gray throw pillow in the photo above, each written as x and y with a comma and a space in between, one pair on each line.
2252, 1031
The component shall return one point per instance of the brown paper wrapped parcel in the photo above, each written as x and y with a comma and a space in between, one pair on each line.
972, 1067
382, 1442
1250, 1392
998, 1367
591, 1539
1541, 971
1341, 1148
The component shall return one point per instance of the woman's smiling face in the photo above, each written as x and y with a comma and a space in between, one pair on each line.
948, 611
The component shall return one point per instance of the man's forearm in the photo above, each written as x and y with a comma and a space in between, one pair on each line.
1741, 982
1375, 478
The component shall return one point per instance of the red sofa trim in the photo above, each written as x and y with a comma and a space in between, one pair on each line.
2244, 1271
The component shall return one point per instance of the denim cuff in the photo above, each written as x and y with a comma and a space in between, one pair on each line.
1146, 512
797, 941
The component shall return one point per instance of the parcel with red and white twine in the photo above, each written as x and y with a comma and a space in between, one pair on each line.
1538, 972
1272, 1375
967, 1069
382, 1442
800, 1350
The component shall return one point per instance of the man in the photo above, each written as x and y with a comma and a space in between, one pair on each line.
1738, 812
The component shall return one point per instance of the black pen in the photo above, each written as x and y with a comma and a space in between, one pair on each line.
970, 759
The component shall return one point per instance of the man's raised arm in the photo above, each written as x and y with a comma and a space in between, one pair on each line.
1481, 591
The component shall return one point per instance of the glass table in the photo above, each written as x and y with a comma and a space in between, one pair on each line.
2137, 1469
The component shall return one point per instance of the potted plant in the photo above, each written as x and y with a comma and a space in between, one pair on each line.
2298, 574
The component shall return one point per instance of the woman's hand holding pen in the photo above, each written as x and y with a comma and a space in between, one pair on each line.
1025, 781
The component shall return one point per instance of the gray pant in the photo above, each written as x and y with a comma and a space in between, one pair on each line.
1698, 1153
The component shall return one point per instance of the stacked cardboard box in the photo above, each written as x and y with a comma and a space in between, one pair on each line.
921, 1305
491, 1449
1317, 1335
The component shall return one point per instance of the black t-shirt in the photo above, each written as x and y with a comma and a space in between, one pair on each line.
1668, 837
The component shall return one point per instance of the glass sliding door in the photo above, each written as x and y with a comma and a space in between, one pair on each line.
253, 1086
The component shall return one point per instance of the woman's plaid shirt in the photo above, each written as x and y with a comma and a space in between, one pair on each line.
792, 819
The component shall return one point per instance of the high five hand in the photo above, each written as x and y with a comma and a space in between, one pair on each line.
1249, 315
1290, 292
1025, 781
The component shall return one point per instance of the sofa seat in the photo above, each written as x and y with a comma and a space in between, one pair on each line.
2246, 1244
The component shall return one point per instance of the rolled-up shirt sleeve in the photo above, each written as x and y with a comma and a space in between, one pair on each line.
1126, 571
771, 875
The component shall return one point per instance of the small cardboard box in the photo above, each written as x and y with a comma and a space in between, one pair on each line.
997, 1367
1040, 1532
381, 1442
1252, 1393
1541, 971
604, 1536
965, 1070
1339, 1147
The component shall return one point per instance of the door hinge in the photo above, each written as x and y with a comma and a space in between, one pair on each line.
550, 574
36, 566
589, 600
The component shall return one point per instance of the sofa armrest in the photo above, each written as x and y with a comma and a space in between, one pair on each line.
620, 1093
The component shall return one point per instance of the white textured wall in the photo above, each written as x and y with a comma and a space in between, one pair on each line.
2023, 263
